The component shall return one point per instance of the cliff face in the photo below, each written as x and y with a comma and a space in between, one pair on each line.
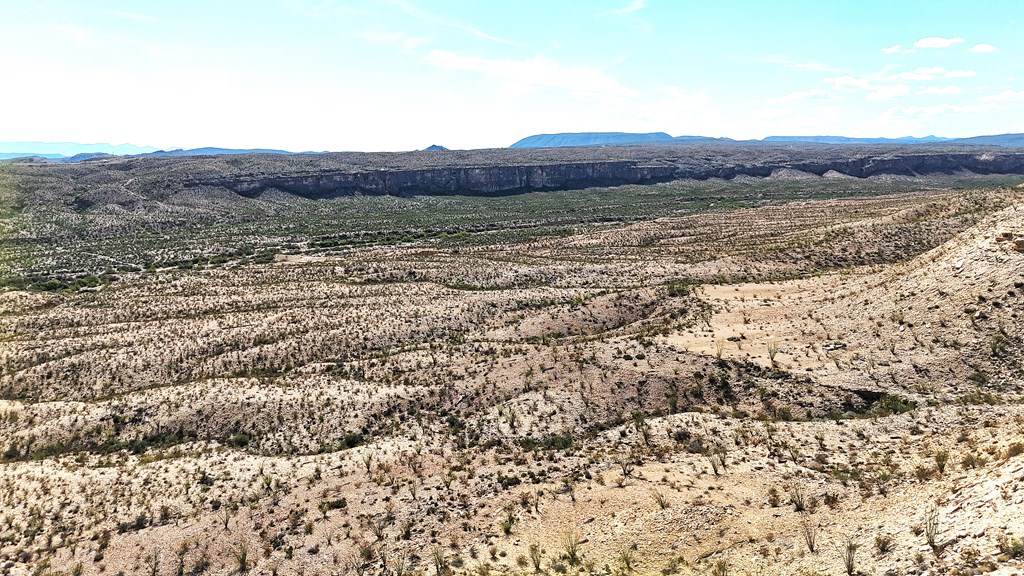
910, 165
485, 180
511, 179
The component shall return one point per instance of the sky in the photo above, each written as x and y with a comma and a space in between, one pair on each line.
304, 75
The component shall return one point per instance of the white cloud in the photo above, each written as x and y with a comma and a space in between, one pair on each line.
799, 96
984, 49
886, 84
875, 90
1005, 96
323, 8
538, 72
86, 37
940, 90
403, 41
131, 16
937, 42
809, 65
381, 37
915, 76
924, 74
848, 82
634, 6
897, 49
887, 92
814, 67
431, 18
101, 42
937, 109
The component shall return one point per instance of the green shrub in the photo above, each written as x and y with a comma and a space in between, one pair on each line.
679, 288
893, 404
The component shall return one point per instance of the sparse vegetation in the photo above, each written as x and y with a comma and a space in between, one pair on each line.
931, 527
240, 554
396, 385
883, 544
849, 554
809, 531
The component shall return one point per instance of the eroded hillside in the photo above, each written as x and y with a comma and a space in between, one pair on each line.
764, 378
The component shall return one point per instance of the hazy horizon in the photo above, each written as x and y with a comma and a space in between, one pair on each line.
68, 149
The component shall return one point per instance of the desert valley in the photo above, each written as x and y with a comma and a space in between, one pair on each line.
680, 359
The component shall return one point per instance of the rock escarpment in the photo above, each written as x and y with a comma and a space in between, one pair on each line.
483, 180
499, 178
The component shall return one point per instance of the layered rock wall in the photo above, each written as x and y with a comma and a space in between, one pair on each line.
511, 179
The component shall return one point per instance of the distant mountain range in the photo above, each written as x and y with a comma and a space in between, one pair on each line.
75, 152
623, 138
998, 140
845, 140
566, 139
68, 149
590, 139
212, 151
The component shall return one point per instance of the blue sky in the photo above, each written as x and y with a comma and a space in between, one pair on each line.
404, 74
